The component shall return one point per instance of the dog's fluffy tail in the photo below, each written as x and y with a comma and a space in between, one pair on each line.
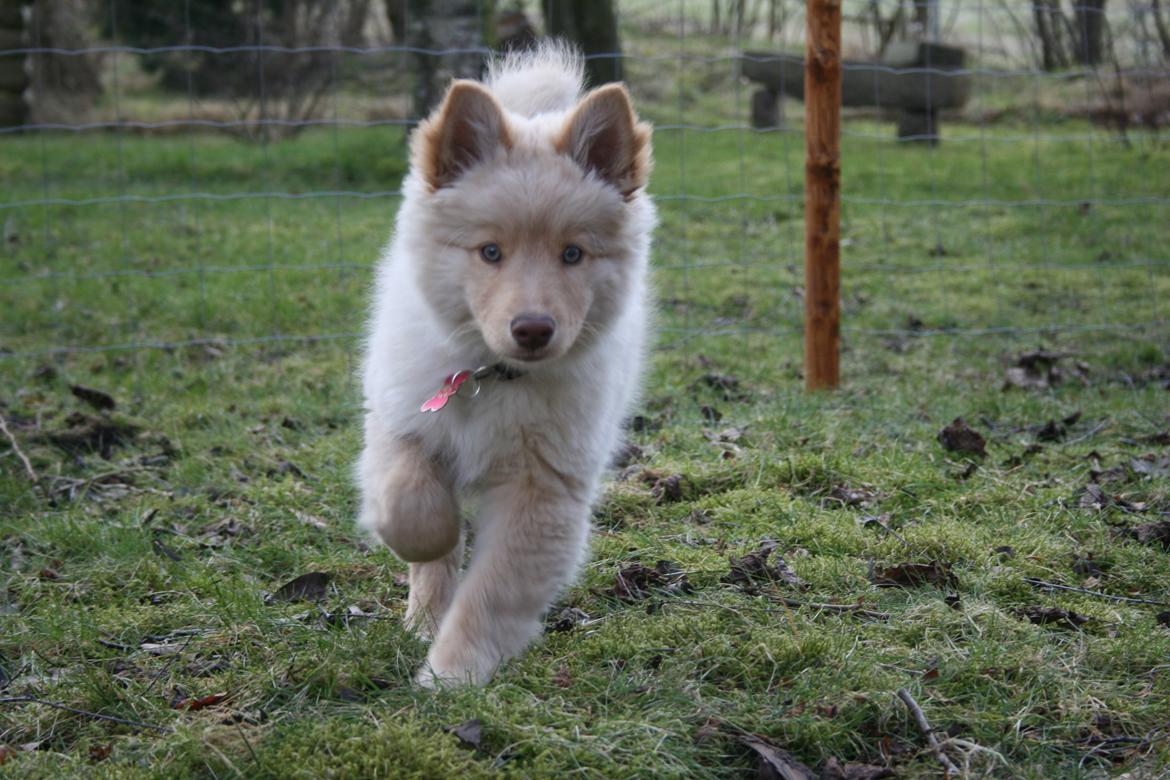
546, 78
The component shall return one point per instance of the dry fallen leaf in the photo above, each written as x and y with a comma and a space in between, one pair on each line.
1151, 465
164, 551
96, 398
627, 454
569, 618
1151, 533
307, 587
1087, 565
1039, 371
100, 752
637, 581
1118, 473
754, 569
668, 490
469, 733
773, 763
1051, 431
726, 385
1093, 497
81, 433
192, 705
309, 519
832, 770
961, 437
852, 496
1063, 618
708, 732
906, 575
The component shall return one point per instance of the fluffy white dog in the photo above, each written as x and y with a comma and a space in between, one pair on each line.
507, 338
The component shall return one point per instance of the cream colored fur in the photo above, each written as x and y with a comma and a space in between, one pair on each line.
530, 165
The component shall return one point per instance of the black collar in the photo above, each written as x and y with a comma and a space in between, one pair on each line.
500, 371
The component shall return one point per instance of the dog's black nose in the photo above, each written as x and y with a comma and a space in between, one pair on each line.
533, 331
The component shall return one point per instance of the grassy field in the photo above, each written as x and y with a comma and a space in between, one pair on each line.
143, 572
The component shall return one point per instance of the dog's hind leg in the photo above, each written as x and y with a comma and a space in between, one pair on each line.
407, 498
432, 585
530, 539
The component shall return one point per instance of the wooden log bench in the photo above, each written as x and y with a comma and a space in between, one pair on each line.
916, 79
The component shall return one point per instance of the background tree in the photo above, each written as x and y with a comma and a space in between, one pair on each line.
1067, 39
1089, 31
1050, 32
593, 27
13, 79
64, 87
449, 37
262, 84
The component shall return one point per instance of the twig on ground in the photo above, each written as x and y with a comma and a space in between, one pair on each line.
1044, 584
104, 484
716, 604
168, 666
970, 748
85, 713
1088, 434
928, 732
856, 609
28, 469
853, 608
1139, 744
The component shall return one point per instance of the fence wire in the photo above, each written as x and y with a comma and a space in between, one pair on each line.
201, 195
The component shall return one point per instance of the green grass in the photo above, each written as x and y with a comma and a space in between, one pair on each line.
176, 536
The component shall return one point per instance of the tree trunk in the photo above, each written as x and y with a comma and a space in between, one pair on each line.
1162, 27
13, 79
449, 36
64, 89
396, 13
1089, 29
593, 27
1049, 29
886, 29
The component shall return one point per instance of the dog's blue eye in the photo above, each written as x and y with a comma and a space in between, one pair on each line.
491, 253
572, 255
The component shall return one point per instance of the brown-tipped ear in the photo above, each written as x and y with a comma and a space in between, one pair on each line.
604, 136
466, 129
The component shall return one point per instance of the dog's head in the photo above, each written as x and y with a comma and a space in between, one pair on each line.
530, 226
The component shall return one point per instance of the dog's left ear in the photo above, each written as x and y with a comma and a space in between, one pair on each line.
604, 136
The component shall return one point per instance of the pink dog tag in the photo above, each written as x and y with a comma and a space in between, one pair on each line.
449, 388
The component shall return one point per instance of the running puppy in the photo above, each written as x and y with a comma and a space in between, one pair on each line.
506, 344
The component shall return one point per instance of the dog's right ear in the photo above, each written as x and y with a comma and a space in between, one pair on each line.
468, 128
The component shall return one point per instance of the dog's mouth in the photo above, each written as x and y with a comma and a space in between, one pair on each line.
518, 356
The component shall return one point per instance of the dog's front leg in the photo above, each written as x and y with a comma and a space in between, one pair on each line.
432, 585
407, 498
531, 536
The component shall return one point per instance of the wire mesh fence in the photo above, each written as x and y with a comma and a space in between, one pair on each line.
199, 173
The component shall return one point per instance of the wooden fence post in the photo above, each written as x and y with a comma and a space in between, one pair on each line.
822, 194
